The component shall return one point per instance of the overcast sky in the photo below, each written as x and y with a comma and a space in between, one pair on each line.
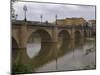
34, 10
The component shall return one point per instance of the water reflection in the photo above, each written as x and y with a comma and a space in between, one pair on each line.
72, 58
68, 56
33, 45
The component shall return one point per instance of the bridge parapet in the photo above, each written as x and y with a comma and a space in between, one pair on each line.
45, 25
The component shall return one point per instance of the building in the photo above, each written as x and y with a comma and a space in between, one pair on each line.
71, 21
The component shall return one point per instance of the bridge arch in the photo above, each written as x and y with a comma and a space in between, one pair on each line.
64, 33
78, 34
42, 32
40, 38
49, 32
79, 39
63, 39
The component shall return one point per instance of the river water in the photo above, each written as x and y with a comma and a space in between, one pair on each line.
81, 56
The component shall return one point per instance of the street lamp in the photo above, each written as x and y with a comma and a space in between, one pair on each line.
25, 9
41, 16
16, 16
57, 49
56, 18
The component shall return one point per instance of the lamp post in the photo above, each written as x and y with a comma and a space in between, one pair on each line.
41, 17
25, 9
57, 49
16, 16
56, 18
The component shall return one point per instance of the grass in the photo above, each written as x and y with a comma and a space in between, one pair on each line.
19, 67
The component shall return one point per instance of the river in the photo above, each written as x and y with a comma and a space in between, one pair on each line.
81, 56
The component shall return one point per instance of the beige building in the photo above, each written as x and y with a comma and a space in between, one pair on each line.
71, 21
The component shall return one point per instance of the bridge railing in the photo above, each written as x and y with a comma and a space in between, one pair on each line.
46, 24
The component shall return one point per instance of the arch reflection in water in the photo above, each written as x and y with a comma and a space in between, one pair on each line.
33, 45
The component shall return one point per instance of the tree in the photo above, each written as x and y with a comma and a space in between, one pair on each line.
13, 15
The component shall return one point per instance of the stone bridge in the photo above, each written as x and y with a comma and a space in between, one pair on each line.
21, 32
51, 35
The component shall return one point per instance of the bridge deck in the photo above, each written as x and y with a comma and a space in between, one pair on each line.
38, 24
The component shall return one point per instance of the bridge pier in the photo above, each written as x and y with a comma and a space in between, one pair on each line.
21, 55
55, 43
23, 35
72, 34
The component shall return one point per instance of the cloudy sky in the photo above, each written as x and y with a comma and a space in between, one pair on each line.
34, 10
